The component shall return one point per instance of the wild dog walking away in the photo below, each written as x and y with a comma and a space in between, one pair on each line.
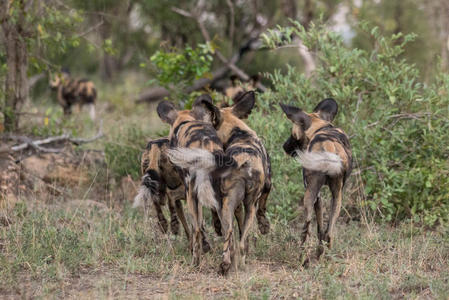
249, 181
74, 91
235, 91
198, 152
161, 181
325, 154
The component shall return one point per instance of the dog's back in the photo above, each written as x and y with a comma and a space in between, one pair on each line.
158, 173
160, 181
74, 91
331, 140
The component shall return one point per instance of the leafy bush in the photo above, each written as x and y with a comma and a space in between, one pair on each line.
176, 69
397, 124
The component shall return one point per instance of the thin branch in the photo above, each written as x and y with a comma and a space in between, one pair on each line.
89, 30
181, 12
232, 22
239, 72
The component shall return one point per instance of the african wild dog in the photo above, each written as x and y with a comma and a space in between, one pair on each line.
198, 152
248, 183
325, 154
160, 181
74, 91
235, 91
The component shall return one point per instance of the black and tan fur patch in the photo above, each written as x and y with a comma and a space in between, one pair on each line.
325, 153
235, 91
161, 181
72, 91
198, 153
249, 182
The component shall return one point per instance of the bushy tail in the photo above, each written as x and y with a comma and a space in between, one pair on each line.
192, 159
201, 164
148, 190
92, 112
142, 197
326, 162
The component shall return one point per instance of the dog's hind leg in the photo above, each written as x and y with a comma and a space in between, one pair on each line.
233, 199
336, 187
318, 206
216, 222
174, 222
194, 209
163, 224
315, 182
238, 213
182, 217
262, 221
250, 212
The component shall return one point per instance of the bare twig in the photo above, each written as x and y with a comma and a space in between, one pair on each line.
89, 30
231, 21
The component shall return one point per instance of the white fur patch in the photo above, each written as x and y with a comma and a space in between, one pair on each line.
142, 197
192, 159
326, 162
92, 113
200, 163
204, 189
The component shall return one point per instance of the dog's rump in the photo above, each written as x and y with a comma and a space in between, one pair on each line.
158, 173
329, 151
202, 165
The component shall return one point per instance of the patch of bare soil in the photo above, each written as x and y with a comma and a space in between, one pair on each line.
116, 284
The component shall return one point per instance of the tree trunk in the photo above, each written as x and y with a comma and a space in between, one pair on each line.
16, 84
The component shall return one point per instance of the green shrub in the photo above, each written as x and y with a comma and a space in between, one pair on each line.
397, 124
176, 69
123, 152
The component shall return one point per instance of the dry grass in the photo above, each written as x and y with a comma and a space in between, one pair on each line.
90, 249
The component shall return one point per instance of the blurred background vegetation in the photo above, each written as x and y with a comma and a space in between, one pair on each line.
384, 61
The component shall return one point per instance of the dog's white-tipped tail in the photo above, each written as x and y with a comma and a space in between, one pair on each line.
92, 112
142, 197
204, 189
200, 163
326, 162
192, 159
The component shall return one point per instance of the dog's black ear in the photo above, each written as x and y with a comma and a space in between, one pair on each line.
244, 105
327, 109
297, 116
233, 79
167, 112
254, 80
204, 110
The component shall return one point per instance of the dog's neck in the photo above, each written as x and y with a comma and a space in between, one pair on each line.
315, 125
229, 122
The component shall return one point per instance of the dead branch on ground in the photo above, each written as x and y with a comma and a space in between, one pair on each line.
38, 145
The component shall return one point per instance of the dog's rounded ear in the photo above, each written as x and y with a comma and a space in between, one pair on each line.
254, 80
244, 105
297, 116
204, 110
327, 109
167, 112
233, 79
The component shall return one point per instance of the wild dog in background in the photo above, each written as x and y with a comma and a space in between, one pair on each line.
235, 91
198, 152
74, 91
249, 182
161, 181
325, 154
